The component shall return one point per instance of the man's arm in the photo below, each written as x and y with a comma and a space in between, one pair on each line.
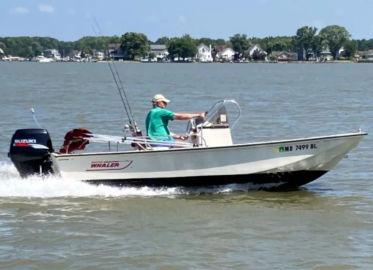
188, 116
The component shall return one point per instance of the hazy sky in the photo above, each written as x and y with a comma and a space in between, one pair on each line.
72, 19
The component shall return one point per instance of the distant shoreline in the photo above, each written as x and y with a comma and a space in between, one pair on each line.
204, 63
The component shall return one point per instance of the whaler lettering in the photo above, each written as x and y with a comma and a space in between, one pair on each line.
109, 165
112, 164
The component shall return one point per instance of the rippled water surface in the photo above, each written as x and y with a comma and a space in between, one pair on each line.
52, 224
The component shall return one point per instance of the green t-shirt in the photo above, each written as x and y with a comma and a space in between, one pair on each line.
157, 124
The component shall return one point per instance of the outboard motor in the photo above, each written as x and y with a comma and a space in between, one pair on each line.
30, 151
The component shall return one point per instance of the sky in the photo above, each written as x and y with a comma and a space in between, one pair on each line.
70, 20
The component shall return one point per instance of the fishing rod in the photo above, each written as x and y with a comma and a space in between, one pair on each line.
120, 87
120, 91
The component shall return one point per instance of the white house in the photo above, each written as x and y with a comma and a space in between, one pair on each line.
159, 52
255, 51
225, 54
325, 54
368, 55
204, 53
99, 55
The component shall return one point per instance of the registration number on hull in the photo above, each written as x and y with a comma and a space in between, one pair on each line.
297, 147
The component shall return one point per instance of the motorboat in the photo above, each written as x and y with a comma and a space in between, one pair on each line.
208, 157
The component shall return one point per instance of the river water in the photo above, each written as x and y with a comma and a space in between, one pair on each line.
53, 224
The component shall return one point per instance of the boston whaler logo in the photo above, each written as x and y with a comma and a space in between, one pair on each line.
109, 165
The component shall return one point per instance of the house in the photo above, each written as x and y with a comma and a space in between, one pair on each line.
204, 53
223, 54
255, 52
74, 56
115, 52
1, 53
159, 52
304, 55
52, 53
326, 55
366, 56
282, 56
99, 55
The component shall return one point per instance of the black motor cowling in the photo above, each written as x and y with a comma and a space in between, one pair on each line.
30, 151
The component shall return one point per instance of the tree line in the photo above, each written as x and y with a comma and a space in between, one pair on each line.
307, 41
33, 46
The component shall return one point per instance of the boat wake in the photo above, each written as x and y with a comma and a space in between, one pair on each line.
12, 185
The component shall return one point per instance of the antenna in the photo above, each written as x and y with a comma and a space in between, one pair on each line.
34, 117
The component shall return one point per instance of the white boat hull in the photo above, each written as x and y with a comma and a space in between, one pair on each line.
282, 163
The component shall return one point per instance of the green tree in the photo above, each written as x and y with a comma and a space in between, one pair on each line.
66, 47
364, 44
162, 40
335, 36
47, 42
240, 43
304, 39
92, 43
210, 41
184, 47
20, 46
350, 48
28, 46
37, 49
317, 45
134, 45
151, 55
280, 43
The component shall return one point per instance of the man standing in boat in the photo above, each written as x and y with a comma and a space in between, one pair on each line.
158, 118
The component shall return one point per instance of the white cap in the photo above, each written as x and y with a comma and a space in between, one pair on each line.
160, 97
